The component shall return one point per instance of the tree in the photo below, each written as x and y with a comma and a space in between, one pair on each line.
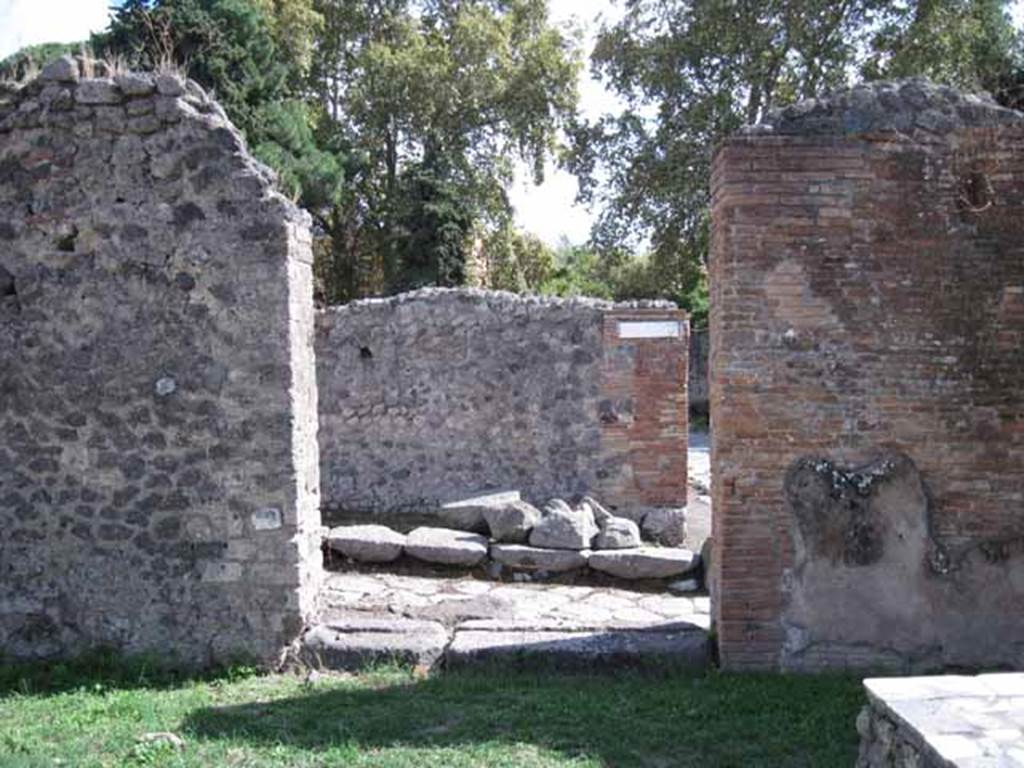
436, 99
516, 261
690, 72
970, 44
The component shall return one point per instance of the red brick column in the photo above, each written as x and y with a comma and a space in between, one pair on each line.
643, 407
866, 296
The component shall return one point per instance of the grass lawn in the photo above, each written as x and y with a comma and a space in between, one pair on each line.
93, 714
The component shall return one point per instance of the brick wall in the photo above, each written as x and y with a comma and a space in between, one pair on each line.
439, 394
868, 301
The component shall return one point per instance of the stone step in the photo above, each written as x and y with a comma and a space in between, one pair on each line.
590, 651
447, 546
351, 643
366, 543
355, 642
525, 557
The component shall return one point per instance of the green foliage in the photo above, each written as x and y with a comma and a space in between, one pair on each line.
22, 63
436, 100
619, 275
581, 271
516, 261
292, 140
227, 45
970, 44
690, 72
296, 26
432, 224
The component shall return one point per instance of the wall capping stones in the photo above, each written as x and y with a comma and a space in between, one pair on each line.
480, 296
910, 106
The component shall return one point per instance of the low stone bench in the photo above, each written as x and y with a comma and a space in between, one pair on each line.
950, 721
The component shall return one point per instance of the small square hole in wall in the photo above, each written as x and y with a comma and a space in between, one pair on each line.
365, 353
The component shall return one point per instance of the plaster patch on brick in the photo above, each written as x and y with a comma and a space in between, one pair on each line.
870, 585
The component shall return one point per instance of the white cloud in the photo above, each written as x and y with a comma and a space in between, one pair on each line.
29, 22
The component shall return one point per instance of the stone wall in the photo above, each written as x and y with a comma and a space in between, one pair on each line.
435, 395
158, 462
867, 384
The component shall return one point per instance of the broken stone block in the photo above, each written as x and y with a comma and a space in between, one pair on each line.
580, 650
562, 527
537, 559
469, 514
665, 526
600, 513
169, 84
135, 83
446, 546
618, 533
558, 504
366, 543
643, 562
511, 521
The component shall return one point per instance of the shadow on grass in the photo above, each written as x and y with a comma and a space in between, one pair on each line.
108, 670
630, 718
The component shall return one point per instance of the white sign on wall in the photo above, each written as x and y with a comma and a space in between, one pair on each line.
650, 329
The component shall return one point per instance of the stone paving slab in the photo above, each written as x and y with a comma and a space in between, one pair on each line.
446, 545
589, 650
367, 543
643, 562
951, 721
370, 616
352, 642
536, 558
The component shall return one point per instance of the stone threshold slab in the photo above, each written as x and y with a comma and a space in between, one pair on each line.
604, 650
950, 721
354, 642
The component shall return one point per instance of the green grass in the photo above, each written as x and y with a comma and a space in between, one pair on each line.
92, 713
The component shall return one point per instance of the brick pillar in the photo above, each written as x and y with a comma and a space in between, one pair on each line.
643, 407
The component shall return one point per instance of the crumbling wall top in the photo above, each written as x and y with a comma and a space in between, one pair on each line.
70, 93
909, 106
495, 299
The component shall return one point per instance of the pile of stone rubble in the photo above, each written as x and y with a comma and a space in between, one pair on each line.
523, 539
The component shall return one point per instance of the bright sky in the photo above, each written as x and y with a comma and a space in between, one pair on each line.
547, 210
